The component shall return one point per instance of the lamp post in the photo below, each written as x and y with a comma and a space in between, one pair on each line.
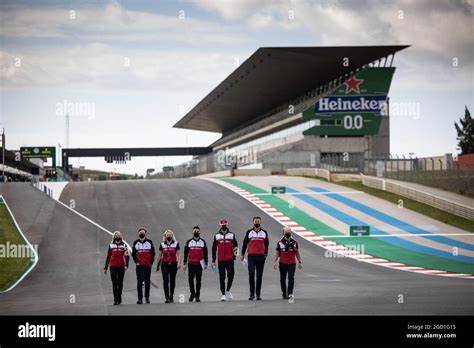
3, 155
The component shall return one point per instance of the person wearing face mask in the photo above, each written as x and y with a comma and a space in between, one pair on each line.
170, 260
196, 259
117, 260
143, 253
224, 248
287, 252
256, 239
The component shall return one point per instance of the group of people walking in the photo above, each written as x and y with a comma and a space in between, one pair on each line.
224, 252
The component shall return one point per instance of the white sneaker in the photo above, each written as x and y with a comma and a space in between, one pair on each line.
229, 296
223, 298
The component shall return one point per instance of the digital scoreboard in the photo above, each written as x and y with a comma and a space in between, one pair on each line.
355, 107
39, 152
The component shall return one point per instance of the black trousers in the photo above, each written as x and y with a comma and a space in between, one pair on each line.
168, 271
143, 275
117, 273
255, 265
195, 271
284, 270
226, 266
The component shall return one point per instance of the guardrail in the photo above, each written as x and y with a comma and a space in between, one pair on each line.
252, 172
42, 187
215, 174
420, 196
323, 173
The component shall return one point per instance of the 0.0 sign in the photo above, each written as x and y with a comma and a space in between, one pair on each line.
353, 122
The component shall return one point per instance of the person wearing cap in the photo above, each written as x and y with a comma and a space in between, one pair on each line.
224, 248
195, 259
287, 252
117, 261
256, 245
143, 253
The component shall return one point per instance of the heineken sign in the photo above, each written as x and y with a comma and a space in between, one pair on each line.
359, 230
355, 107
330, 105
278, 189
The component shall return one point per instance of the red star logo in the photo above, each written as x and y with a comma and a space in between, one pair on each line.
352, 84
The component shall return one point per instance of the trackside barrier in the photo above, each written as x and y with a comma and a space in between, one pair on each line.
252, 172
216, 174
420, 196
42, 187
322, 173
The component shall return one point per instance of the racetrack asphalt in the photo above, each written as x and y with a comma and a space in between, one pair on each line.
72, 253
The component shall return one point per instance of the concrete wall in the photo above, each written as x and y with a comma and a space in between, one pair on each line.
379, 145
252, 172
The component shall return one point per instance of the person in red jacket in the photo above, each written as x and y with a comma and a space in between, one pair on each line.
224, 248
256, 239
117, 261
287, 252
170, 260
195, 258
143, 253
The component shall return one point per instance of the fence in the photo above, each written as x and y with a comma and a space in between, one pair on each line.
440, 172
423, 197
323, 173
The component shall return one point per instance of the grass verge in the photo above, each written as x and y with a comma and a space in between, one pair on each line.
11, 268
425, 209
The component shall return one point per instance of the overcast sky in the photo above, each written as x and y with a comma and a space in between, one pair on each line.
131, 69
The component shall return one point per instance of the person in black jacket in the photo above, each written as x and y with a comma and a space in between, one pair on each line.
224, 249
169, 258
256, 239
117, 262
143, 253
195, 259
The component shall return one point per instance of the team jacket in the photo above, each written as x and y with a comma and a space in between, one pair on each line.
287, 250
257, 242
143, 253
195, 251
169, 251
117, 256
223, 245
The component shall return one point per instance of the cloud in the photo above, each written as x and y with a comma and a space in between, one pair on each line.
102, 66
110, 22
233, 9
438, 30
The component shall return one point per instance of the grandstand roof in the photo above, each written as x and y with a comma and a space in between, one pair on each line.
273, 76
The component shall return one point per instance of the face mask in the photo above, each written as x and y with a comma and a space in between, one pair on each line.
118, 240
141, 235
169, 239
196, 234
287, 235
256, 225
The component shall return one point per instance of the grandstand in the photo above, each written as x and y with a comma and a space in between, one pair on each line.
268, 113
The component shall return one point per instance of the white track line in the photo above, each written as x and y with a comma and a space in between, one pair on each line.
29, 244
305, 193
329, 245
403, 235
87, 219
92, 222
